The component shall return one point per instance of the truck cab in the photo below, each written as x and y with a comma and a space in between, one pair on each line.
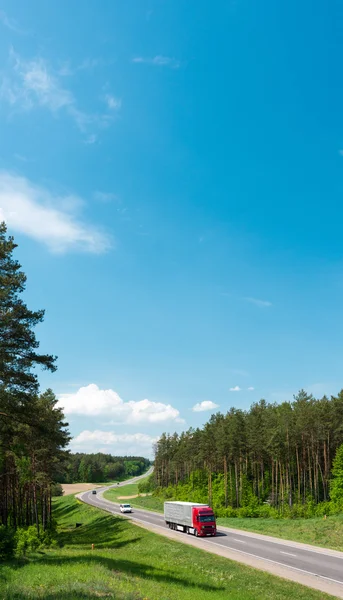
204, 521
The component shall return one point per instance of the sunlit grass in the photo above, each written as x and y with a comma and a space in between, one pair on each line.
131, 563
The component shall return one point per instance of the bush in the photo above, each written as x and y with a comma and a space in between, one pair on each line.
27, 540
56, 490
7, 542
147, 485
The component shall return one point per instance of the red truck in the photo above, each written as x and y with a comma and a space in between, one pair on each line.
189, 517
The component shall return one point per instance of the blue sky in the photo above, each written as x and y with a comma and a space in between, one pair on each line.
173, 174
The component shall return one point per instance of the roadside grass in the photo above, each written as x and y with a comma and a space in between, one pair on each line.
327, 533
131, 563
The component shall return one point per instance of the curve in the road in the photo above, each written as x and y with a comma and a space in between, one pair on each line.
327, 565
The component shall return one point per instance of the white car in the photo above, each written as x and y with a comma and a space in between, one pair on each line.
125, 508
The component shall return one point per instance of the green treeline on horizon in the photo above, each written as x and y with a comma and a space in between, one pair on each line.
279, 455
100, 467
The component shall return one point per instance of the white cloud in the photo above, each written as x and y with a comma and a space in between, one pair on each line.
92, 401
118, 444
235, 389
36, 212
204, 405
159, 61
251, 389
257, 302
112, 102
33, 83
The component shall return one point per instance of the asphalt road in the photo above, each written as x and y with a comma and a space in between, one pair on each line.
327, 565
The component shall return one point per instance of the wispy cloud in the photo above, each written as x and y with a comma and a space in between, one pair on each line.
34, 84
235, 389
91, 139
104, 196
21, 157
204, 405
251, 389
47, 217
257, 302
158, 61
112, 102
10, 23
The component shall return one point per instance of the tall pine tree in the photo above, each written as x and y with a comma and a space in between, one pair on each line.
32, 431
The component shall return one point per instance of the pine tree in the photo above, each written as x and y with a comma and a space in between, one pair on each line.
28, 424
336, 487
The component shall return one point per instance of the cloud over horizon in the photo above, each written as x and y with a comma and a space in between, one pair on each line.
90, 400
140, 444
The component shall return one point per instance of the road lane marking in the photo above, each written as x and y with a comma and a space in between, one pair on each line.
288, 553
240, 541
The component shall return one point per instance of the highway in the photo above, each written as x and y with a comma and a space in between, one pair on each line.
308, 560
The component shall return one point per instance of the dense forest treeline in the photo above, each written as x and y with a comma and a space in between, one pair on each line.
276, 454
100, 467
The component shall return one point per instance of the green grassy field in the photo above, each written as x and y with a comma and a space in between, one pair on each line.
317, 531
131, 563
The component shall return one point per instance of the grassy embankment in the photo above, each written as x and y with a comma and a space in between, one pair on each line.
131, 563
317, 531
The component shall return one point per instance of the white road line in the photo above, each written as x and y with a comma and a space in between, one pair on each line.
240, 541
288, 553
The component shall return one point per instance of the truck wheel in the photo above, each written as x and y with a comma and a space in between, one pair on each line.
196, 533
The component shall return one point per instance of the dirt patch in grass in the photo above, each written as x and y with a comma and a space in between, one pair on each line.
130, 497
75, 488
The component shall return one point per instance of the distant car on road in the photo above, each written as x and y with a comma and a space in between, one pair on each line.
93, 491
125, 508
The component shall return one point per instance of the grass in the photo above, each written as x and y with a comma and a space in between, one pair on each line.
131, 563
317, 531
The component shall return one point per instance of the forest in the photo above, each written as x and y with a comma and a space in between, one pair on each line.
100, 467
270, 459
